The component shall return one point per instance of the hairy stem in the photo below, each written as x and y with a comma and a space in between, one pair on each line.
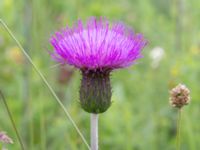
94, 131
12, 121
178, 128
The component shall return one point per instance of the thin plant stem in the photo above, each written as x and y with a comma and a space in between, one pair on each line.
42, 126
179, 24
12, 121
94, 131
27, 109
31, 130
178, 128
46, 83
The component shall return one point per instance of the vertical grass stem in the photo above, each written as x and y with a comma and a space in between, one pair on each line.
12, 121
178, 128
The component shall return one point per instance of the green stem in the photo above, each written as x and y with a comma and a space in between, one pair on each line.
42, 128
178, 134
12, 121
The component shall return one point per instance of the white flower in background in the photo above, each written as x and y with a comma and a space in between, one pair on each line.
156, 55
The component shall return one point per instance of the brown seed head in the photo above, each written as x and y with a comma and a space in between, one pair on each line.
179, 96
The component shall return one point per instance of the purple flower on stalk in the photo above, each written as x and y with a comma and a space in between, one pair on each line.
4, 138
96, 49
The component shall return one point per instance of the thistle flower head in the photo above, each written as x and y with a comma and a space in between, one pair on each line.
96, 49
179, 96
97, 45
5, 139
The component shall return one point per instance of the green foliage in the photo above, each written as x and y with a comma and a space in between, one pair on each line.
140, 117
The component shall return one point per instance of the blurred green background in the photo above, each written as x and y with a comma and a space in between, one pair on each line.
140, 117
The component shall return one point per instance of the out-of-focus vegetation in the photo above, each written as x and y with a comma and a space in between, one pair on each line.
140, 117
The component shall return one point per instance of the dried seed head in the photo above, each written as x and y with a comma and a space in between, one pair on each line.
5, 139
179, 96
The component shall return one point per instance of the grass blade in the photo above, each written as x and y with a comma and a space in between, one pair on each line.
12, 121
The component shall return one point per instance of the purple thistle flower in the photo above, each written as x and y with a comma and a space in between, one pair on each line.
97, 49
97, 45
